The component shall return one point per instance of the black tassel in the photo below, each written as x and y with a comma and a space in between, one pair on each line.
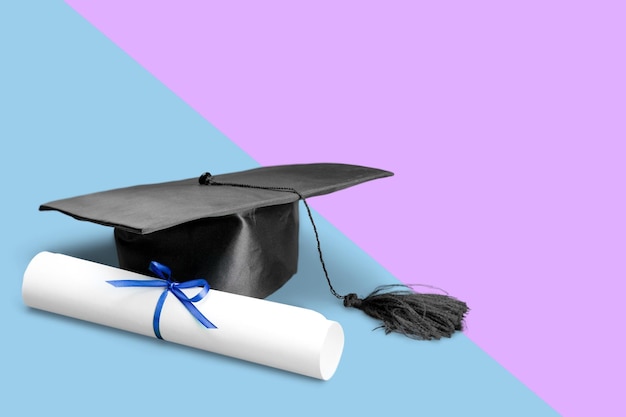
422, 316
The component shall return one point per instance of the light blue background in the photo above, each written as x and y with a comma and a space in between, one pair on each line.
78, 115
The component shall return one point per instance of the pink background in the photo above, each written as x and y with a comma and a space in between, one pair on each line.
503, 121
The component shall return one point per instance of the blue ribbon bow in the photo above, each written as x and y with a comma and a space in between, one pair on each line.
165, 274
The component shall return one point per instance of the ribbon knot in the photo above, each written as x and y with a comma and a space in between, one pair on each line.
165, 281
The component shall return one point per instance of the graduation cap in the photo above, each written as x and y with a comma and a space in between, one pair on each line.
239, 231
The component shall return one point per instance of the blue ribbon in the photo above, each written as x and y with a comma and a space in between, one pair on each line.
165, 274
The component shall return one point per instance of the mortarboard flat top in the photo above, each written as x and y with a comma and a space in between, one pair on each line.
241, 240
148, 208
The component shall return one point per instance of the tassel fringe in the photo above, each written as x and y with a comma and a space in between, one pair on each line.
422, 316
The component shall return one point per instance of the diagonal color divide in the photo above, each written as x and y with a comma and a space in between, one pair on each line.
82, 116
503, 123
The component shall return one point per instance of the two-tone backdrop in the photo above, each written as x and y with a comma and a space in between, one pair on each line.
503, 122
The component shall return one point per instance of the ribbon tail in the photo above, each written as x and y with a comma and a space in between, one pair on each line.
157, 314
138, 283
197, 314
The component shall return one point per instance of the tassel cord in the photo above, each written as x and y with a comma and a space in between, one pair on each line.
207, 179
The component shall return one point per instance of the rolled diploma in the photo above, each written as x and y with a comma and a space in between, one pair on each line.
265, 332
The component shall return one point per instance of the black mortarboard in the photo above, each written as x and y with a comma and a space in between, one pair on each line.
241, 240
239, 231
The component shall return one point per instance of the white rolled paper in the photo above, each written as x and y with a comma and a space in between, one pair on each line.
265, 332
